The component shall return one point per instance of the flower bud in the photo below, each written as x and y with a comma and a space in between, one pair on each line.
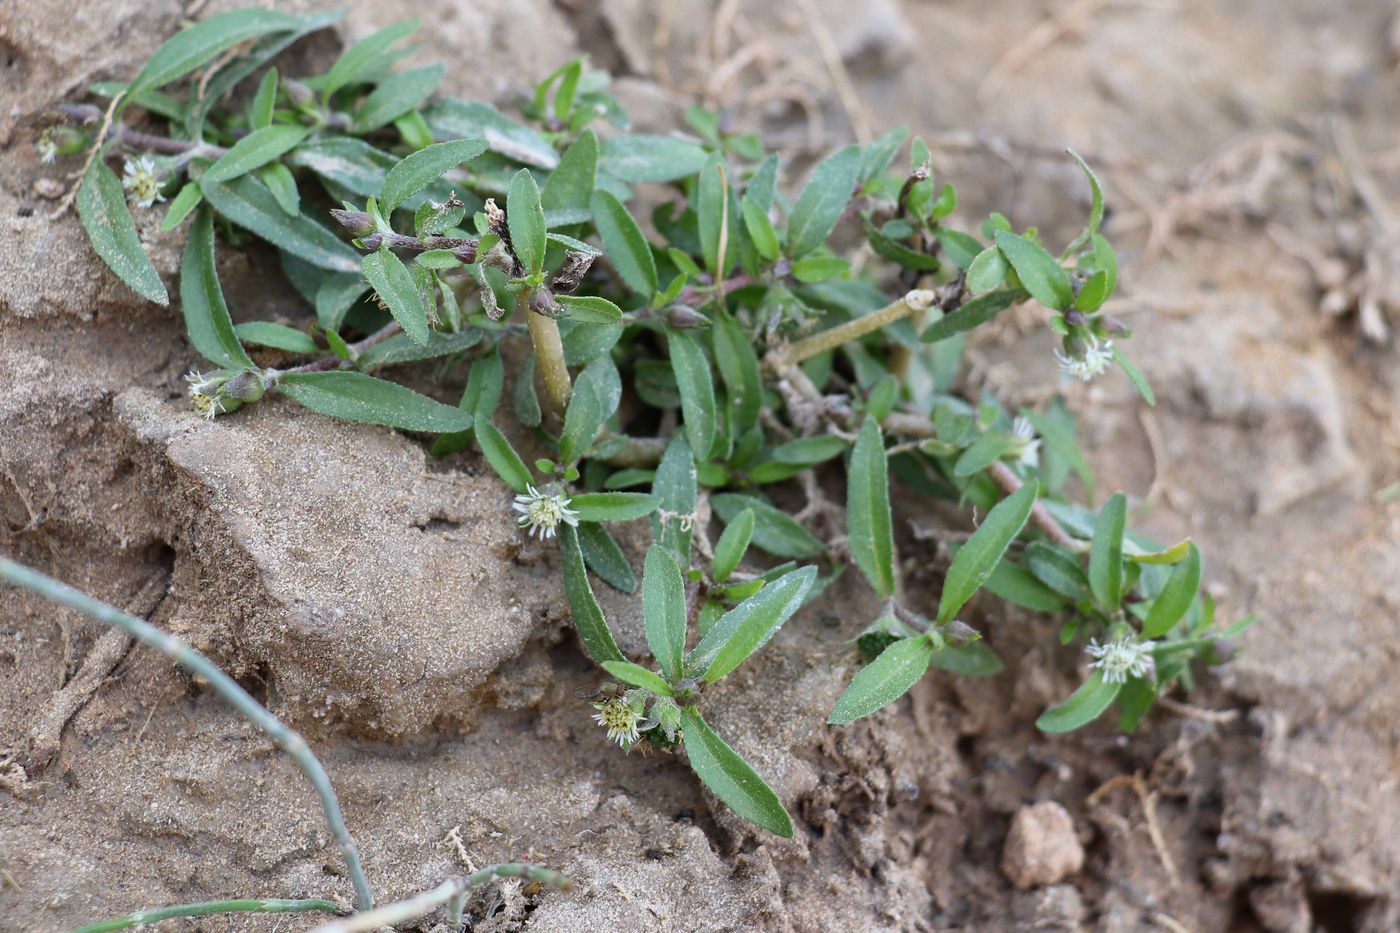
356, 223
1075, 318
542, 302
684, 316
248, 386
299, 94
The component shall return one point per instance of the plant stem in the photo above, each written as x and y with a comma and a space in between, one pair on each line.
833, 337
549, 358
182, 654
242, 905
356, 348
420, 904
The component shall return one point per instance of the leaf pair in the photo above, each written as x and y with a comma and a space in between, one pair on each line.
901, 664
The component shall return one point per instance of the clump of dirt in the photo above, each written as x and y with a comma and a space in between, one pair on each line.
384, 603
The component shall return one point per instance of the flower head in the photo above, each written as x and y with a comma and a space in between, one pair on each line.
47, 146
620, 716
1027, 447
204, 394
542, 512
141, 182
1093, 359
1118, 660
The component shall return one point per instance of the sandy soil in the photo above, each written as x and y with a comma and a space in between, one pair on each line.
381, 601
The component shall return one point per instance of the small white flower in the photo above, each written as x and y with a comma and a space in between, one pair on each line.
542, 512
1097, 357
621, 717
141, 182
1121, 659
204, 394
1027, 444
48, 149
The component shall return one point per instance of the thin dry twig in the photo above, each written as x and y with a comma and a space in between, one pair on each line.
46, 731
840, 77
1046, 33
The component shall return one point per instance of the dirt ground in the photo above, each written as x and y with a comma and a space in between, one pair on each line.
383, 603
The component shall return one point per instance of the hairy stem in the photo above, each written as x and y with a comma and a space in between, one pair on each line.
549, 357
241, 905
182, 654
833, 337
356, 348
445, 893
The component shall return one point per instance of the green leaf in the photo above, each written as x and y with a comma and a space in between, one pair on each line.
353, 65
230, 75
675, 485
962, 248
278, 336
336, 296
357, 397
569, 191
590, 309
737, 362
663, 609
181, 206
525, 217
589, 622
1095, 210
1172, 603
640, 159
1056, 427
732, 545
422, 168
1083, 706
774, 530
402, 348
625, 244
760, 228
822, 202
256, 150
264, 101
974, 659
869, 522
613, 506
711, 203
278, 179
1038, 271
884, 680
748, 626
638, 676
809, 451
697, 388
1138, 379
603, 556
1106, 260
112, 233
596, 395
475, 120
248, 203
187, 50
1018, 585
820, 268
1106, 553
971, 314
207, 321
395, 96
1093, 293
388, 276
1059, 571
977, 558
1172, 555
731, 779
502, 457
988, 271
982, 453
